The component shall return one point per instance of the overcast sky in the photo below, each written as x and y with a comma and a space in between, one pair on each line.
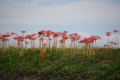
87, 17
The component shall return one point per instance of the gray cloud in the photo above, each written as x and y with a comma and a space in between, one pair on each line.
83, 11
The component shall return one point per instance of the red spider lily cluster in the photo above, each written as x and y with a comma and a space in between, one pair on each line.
50, 39
4, 38
90, 40
114, 43
108, 34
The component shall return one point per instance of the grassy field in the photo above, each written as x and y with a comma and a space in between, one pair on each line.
57, 65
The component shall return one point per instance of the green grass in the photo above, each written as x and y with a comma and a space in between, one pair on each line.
56, 65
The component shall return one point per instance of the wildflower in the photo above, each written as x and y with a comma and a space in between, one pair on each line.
23, 31
44, 44
62, 41
108, 34
65, 32
12, 33
42, 32
98, 48
43, 51
115, 31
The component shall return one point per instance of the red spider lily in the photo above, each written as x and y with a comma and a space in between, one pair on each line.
23, 31
43, 52
12, 33
42, 32
88, 49
30, 37
117, 34
62, 45
65, 32
90, 40
64, 37
114, 43
111, 42
5, 40
95, 37
74, 37
4, 36
33, 38
115, 31
55, 35
82, 41
33, 34
87, 41
44, 44
48, 33
98, 48
19, 38
62, 41
108, 34
58, 39
41, 39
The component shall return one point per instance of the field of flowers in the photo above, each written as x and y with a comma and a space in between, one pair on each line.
49, 55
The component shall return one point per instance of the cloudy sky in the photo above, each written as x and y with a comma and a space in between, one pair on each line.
87, 17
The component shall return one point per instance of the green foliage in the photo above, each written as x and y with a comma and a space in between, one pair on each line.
56, 65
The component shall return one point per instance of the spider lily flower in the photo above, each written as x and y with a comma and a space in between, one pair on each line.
55, 36
88, 49
23, 31
64, 37
41, 36
48, 33
42, 32
108, 34
65, 32
62, 41
116, 35
32, 38
115, 31
114, 43
98, 48
59, 39
44, 44
95, 38
4, 38
106, 46
19, 40
74, 38
12, 33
